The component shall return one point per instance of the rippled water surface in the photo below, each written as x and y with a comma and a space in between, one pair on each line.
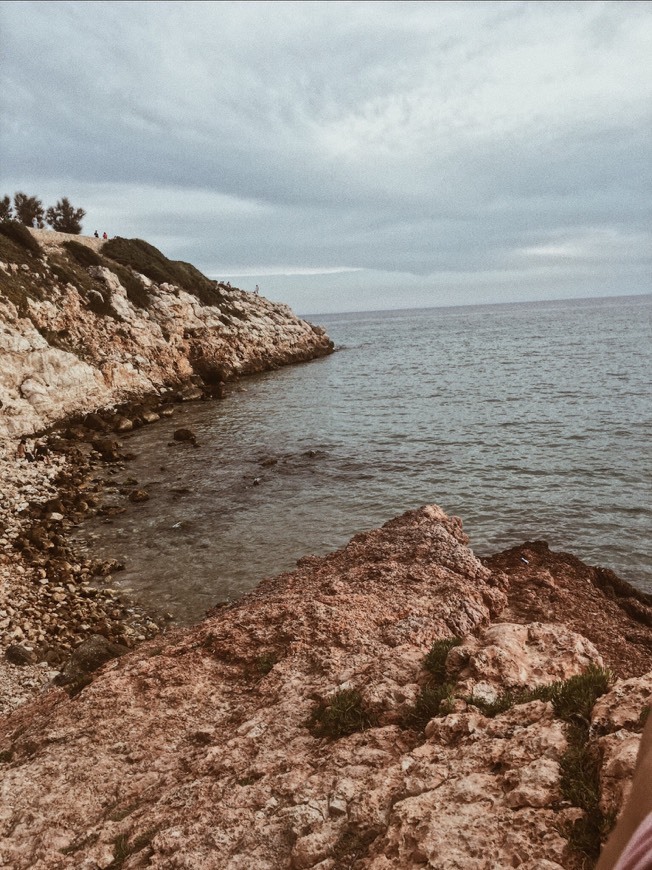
528, 421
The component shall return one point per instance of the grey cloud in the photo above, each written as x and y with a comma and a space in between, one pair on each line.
409, 138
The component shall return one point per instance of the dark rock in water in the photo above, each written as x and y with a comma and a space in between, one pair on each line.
88, 657
103, 569
107, 448
191, 394
123, 424
19, 655
185, 435
216, 391
77, 432
94, 421
138, 495
268, 461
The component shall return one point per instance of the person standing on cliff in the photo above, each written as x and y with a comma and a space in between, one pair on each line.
96, 234
256, 291
104, 236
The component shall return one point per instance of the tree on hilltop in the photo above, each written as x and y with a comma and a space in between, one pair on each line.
29, 210
6, 214
64, 217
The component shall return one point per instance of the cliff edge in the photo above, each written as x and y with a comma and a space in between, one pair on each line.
85, 324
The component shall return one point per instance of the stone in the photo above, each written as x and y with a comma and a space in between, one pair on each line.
108, 448
184, 435
19, 655
122, 424
89, 656
138, 495
510, 656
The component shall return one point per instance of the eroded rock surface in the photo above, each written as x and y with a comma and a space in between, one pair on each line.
194, 750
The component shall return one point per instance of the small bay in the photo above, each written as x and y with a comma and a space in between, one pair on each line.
530, 421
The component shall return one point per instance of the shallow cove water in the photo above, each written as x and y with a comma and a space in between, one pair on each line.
527, 420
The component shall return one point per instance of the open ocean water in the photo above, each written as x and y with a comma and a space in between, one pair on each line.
530, 421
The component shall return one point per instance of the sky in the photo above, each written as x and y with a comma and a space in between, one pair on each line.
346, 156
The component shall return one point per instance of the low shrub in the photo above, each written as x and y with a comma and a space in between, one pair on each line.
19, 233
149, 261
345, 713
265, 662
84, 255
63, 273
137, 294
100, 303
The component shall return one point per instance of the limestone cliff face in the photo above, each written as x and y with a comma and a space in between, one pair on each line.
73, 338
204, 748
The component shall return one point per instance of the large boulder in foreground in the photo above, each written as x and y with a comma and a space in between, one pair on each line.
205, 748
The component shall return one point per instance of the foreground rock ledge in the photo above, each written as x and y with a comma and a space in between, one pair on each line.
193, 751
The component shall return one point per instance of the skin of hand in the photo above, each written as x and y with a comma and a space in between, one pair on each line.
638, 806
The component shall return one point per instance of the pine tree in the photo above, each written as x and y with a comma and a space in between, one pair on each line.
29, 210
6, 214
64, 218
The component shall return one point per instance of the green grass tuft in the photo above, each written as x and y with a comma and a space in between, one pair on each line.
580, 785
345, 713
572, 699
435, 661
431, 702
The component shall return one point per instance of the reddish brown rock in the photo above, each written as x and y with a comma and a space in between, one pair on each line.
195, 751
545, 586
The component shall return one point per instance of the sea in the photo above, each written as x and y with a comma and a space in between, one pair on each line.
530, 421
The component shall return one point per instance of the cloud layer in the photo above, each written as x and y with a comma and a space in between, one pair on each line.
378, 153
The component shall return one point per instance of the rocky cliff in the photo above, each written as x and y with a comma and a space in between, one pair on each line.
82, 328
369, 710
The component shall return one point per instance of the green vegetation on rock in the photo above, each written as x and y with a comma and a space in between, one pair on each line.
149, 261
344, 713
84, 255
19, 234
572, 699
435, 661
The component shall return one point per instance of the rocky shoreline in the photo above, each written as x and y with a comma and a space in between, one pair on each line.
395, 704
91, 348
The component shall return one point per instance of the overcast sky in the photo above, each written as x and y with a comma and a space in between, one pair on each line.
346, 156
